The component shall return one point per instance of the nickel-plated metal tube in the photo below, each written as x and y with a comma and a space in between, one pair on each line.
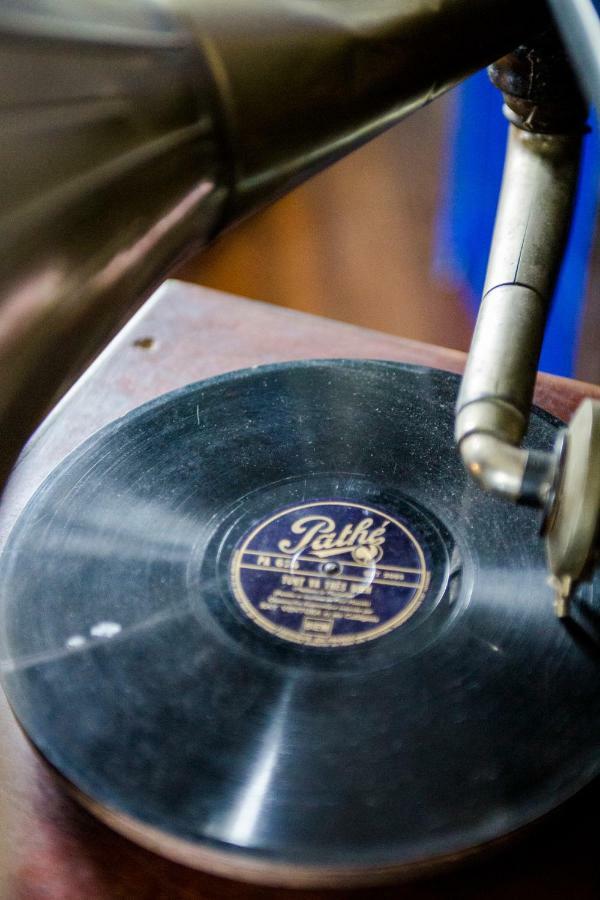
133, 132
580, 26
532, 227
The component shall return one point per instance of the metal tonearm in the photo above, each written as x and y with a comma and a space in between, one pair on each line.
547, 116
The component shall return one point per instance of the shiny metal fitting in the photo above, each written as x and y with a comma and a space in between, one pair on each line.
572, 525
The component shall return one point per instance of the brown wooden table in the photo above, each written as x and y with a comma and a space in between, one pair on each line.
57, 851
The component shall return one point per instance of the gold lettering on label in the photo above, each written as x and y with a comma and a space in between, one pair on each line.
296, 581
393, 576
318, 536
336, 585
361, 589
319, 627
329, 569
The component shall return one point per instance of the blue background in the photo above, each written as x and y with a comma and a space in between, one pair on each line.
476, 149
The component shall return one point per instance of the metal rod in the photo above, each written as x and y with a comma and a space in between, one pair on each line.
532, 227
579, 21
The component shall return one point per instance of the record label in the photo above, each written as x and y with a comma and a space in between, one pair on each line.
330, 573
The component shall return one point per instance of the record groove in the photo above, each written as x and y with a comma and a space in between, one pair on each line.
266, 625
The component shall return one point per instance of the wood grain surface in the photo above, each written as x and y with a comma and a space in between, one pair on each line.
56, 850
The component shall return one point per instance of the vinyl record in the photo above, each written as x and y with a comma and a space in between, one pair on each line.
267, 626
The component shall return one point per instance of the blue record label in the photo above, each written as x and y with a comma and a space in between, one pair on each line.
330, 573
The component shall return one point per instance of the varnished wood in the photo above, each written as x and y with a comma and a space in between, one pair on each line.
59, 852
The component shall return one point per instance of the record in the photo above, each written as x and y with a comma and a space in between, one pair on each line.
267, 626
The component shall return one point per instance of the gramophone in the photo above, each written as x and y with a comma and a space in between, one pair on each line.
137, 132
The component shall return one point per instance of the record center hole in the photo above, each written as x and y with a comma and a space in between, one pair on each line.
331, 568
